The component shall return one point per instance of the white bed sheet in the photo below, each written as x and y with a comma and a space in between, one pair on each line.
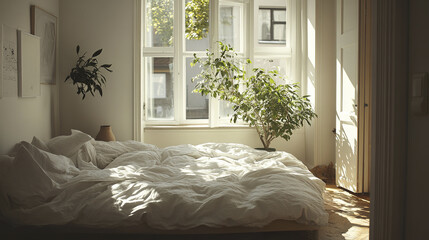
176, 187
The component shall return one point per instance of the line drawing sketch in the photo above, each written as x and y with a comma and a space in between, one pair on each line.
9, 61
1, 61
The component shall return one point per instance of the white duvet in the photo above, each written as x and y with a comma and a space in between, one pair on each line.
176, 187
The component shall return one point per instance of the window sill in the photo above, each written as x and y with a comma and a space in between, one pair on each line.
187, 127
237, 127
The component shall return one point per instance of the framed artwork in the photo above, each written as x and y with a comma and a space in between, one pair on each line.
1, 62
28, 64
44, 25
8, 62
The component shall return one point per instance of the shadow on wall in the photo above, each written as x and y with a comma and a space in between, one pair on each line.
346, 158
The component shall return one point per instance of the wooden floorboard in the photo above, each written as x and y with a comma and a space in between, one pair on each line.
348, 215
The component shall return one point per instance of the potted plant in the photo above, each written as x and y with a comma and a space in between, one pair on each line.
86, 74
275, 110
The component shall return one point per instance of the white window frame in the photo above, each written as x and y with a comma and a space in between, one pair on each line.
179, 58
272, 50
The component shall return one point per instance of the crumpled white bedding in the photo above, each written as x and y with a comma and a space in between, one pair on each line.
176, 187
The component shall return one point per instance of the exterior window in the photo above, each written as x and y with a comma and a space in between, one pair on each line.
197, 106
279, 63
160, 100
196, 25
231, 25
159, 23
272, 27
175, 30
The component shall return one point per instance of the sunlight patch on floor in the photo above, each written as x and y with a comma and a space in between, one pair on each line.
348, 215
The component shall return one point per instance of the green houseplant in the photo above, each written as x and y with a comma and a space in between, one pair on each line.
275, 110
86, 74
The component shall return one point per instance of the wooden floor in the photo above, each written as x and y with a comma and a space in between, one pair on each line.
348, 219
348, 215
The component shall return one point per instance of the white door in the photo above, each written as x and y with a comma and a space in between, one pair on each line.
348, 168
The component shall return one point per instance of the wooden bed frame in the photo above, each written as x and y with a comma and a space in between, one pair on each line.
278, 229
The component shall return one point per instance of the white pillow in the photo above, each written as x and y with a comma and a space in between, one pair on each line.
35, 175
6, 163
86, 157
39, 144
68, 145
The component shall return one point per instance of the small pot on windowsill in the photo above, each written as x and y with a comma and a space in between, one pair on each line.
267, 149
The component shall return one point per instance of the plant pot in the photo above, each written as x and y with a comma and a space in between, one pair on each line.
105, 134
267, 149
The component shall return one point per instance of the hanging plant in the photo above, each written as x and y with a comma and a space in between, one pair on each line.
86, 74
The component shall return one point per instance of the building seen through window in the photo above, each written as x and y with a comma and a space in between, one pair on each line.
272, 27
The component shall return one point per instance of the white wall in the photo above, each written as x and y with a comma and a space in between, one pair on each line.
23, 118
320, 83
95, 24
310, 79
326, 75
417, 209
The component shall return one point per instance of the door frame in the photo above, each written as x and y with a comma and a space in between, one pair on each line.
364, 99
389, 44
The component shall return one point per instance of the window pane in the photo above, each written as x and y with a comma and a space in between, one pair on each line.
264, 24
197, 25
280, 32
159, 23
279, 15
230, 29
197, 106
160, 83
225, 110
282, 65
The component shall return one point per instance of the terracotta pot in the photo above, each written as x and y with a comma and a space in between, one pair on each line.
105, 134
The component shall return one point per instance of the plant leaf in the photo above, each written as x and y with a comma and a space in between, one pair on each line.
98, 88
106, 65
96, 53
77, 49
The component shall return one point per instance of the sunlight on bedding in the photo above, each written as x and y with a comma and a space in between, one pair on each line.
178, 187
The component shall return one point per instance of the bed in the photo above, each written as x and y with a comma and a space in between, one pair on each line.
133, 187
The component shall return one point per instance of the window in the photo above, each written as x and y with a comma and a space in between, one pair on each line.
160, 81
175, 30
272, 25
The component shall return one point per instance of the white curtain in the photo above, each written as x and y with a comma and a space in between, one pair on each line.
299, 42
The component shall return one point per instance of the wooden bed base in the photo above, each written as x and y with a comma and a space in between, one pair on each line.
276, 228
